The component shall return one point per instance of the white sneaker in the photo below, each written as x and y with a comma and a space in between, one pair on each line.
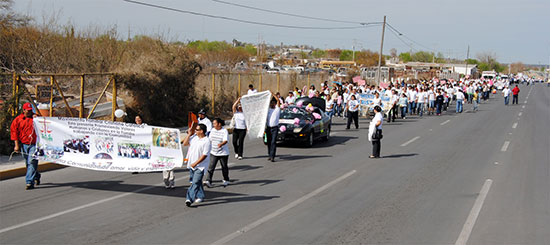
240, 158
198, 200
225, 183
166, 186
236, 155
207, 183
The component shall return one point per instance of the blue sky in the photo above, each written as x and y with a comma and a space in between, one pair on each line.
513, 30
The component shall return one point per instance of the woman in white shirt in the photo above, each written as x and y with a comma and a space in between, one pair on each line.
219, 151
353, 111
377, 121
239, 130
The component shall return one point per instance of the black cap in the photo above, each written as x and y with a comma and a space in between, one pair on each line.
202, 111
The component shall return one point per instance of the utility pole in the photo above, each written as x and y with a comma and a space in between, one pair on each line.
381, 48
467, 58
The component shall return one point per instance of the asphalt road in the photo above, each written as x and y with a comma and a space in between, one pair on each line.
475, 178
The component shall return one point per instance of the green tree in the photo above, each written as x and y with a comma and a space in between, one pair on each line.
319, 53
405, 57
346, 55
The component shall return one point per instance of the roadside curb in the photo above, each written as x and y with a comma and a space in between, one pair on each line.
22, 171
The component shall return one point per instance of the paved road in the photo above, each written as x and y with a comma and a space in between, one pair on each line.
476, 178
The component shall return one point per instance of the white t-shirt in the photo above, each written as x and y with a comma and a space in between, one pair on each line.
412, 95
329, 105
273, 117
378, 117
197, 148
459, 96
431, 95
207, 123
506, 92
352, 104
290, 100
376, 101
422, 96
240, 122
217, 137
251, 91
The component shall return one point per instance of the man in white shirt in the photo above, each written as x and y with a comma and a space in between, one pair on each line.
272, 127
459, 100
506, 94
421, 101
251, 90
197, 160
290, 99
204, 120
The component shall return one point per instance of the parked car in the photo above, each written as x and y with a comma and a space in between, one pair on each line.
308, 129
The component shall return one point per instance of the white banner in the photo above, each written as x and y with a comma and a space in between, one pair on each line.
106, 145
255, 108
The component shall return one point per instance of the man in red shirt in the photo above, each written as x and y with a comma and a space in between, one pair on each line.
515, 93
22, 133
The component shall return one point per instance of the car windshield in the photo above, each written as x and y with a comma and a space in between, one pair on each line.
289, 113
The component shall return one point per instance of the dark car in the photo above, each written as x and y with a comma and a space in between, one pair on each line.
308, 129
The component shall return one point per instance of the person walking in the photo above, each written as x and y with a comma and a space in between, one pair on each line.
239, 130
197, 160
506, 94
272, 127
23, 135
459, 101
475, 97
375, 132
204, 120
515, 93
439, 101
219, 151
403, 105
353, 111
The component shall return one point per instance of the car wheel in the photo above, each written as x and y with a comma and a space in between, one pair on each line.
327, 137
310, 139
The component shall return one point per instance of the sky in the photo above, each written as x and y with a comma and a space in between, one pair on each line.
515, 31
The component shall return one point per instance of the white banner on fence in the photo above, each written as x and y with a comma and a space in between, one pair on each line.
255, 108
106, 145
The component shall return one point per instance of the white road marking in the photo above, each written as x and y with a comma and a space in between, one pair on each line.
474, 213
431, 129
496, 163
505, 146
51, 216
523, 107
510, 133
443, 123
410, 141
515, 125
281, 210
519, 114
525, 102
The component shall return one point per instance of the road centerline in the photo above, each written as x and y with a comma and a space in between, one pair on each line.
443, 123
515, 125
410, 141
505, 146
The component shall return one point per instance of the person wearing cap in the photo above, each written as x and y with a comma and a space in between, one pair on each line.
22, 133
204, 120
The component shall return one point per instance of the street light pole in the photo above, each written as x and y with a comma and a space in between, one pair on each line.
381, 48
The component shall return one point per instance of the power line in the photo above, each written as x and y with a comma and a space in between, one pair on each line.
401, 39
408, 38
243, 21
295, 15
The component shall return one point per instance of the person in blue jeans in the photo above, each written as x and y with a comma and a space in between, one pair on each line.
23, 134
197, 161
459, 101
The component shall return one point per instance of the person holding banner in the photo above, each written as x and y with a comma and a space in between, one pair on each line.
239, 130
198, 158
375, 132
23, 135
272, 127
219, 152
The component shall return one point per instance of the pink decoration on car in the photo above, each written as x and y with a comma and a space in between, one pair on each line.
300, 104
282, 128
295, 110
316, 115
296, 120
